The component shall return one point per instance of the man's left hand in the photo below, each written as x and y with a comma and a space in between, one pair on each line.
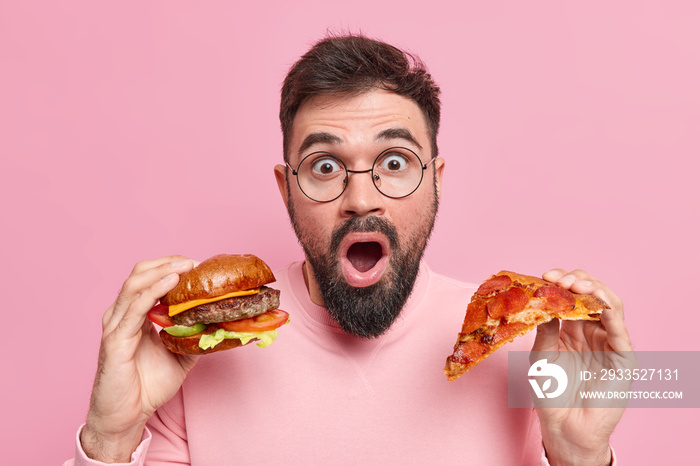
581, 435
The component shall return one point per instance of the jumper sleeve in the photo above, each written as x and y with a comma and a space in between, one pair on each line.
137, 457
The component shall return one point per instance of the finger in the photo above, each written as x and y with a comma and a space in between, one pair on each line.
135, 315
145, 274
567, 279
107, 316
617, 335
150, 264
583, 286
135, 285
602, 294
547, 338
612, 320
554, 275
582, 282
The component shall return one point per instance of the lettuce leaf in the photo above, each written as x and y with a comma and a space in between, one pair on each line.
211, 340
184, 330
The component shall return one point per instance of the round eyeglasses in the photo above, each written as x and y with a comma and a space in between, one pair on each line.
396, 172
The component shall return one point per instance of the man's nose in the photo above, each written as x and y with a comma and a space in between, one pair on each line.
361, 197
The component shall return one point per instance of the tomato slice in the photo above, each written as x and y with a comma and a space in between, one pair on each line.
159, 316
270, 320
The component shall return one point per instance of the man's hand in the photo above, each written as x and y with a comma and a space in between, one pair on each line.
136, 374
581, 435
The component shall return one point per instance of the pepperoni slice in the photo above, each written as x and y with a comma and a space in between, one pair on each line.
556, 298
509, 302
468, 351
509, 331
476, 316
497, 283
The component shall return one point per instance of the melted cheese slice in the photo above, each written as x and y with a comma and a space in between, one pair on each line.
178, 308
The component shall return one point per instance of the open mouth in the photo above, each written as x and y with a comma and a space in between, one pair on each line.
364, 258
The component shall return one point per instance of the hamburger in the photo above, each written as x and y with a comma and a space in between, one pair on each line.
220, 304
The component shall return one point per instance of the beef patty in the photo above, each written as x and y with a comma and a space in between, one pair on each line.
230, 309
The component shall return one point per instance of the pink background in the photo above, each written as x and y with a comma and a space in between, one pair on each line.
129, 131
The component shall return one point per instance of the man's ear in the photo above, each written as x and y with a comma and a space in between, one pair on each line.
281, 177
439, 167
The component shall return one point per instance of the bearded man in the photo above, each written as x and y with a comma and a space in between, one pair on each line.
356, 376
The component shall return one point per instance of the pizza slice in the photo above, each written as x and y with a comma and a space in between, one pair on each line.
509, 305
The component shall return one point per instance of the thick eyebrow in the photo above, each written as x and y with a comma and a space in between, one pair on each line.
385, 135
397, 133
318, 138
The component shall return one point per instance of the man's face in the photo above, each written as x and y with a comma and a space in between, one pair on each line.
362, 249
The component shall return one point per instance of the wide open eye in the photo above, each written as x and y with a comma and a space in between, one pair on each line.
393, 162
324, 166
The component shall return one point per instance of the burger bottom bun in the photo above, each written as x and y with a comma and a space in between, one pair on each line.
190, 345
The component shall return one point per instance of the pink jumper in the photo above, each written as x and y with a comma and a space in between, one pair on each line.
320, 396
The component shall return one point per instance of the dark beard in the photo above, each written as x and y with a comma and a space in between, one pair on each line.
367, 312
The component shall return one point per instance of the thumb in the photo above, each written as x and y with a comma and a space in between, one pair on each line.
547, 338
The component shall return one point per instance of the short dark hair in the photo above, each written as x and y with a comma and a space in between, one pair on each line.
353, 64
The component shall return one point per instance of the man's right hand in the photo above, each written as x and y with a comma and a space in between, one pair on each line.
136, 374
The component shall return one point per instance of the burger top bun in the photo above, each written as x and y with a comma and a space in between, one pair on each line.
220, 275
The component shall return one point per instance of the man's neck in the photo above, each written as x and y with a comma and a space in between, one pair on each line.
311, 285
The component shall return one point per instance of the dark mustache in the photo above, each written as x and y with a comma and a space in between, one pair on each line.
360, 225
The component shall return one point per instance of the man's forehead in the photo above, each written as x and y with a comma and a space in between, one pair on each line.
377, 116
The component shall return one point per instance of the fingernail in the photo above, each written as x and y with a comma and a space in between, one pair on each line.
552, 275
567, 280
180, 263
585, 283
